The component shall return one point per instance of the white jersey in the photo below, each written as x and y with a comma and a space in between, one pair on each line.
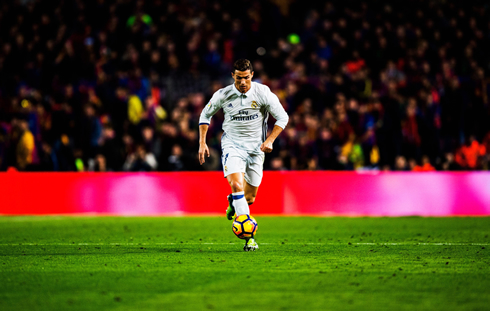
245, 114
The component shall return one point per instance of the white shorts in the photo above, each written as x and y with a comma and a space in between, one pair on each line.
237, 160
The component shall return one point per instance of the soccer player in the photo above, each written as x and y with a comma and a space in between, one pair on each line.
246, 106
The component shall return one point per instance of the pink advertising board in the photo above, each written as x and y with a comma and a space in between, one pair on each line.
321, 193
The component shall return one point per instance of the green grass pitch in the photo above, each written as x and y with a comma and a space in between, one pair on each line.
196, 263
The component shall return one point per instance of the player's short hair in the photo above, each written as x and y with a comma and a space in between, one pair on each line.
242, 65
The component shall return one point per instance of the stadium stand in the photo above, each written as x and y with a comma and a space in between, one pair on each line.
111, 85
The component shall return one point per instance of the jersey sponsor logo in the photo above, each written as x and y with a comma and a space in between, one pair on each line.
254, 104
244, 118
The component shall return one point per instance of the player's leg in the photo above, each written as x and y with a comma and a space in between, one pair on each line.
237, 185
234, 162
253, 178
250, 193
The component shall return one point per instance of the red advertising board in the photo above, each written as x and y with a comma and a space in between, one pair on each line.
287, 193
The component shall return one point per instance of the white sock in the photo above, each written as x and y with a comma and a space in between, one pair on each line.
240, 204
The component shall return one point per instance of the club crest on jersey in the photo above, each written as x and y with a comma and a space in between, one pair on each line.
254, 104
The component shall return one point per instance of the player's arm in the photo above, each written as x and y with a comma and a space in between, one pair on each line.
267, 144
277, 111
204, 121
203, 147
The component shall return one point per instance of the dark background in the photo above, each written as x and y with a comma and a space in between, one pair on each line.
119, 85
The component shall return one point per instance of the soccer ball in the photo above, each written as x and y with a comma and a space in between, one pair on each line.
245, 226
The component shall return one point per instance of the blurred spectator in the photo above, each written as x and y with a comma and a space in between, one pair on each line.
277, 164
112, 149
140, 161
469, 155
48, 160
25, 145
410, 130
99, 164
65, 153
89, 131
401, 164
326, 146
175, 160
425, 166
449, 163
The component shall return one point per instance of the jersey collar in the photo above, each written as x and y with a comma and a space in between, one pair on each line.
237, 92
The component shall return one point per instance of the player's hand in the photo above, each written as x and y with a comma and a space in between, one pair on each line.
266, 146
203, 153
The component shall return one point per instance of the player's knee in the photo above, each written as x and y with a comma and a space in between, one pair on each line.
236, 186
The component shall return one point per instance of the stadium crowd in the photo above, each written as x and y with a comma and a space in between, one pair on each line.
111, 85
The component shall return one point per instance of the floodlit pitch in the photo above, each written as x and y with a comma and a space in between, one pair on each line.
196, 263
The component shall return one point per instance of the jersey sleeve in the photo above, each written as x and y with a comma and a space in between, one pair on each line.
211, 108
276, 109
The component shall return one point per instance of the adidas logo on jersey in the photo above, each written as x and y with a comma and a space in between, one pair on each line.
230, 105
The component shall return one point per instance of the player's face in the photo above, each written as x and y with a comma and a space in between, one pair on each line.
243, 80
